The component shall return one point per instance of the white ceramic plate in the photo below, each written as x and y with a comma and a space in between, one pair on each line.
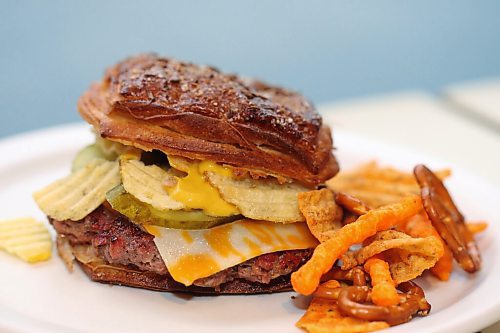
46, 298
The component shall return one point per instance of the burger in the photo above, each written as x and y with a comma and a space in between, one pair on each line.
192, 182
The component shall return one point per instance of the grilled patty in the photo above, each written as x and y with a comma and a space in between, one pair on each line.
118, 241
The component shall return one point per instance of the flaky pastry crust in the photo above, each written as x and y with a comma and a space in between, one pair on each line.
200, 113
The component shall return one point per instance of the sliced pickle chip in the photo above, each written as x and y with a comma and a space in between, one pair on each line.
102, 148
86, 155
113, 149
142, 213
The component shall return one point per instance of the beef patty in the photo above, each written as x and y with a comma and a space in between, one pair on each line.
115, 240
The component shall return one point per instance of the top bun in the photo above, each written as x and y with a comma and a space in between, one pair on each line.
200, 113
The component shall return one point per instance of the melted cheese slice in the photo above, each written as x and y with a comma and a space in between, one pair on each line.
193, 254
195, 192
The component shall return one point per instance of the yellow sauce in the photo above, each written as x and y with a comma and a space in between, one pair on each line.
195, 192
191, 267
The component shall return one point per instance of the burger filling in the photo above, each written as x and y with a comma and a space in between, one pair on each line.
202, 223
112, 238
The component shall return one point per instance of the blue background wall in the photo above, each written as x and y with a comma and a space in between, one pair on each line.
50, 51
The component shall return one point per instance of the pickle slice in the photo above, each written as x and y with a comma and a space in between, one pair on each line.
113, 149
88, 154
102, 148
142, 213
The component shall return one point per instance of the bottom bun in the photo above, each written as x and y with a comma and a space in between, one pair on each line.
100, 271
151, 281
112, 249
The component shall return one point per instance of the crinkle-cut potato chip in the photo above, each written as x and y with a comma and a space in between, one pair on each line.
323, 215
26, 238
377, 186
407, 257
263, 199
371, 170
323, 316
146, 183
75, 196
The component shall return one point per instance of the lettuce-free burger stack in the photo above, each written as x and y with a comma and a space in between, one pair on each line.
192, 182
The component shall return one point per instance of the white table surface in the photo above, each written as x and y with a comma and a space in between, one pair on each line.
481, 99
429, 125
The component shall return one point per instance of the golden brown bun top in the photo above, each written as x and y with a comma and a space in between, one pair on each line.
200, 113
